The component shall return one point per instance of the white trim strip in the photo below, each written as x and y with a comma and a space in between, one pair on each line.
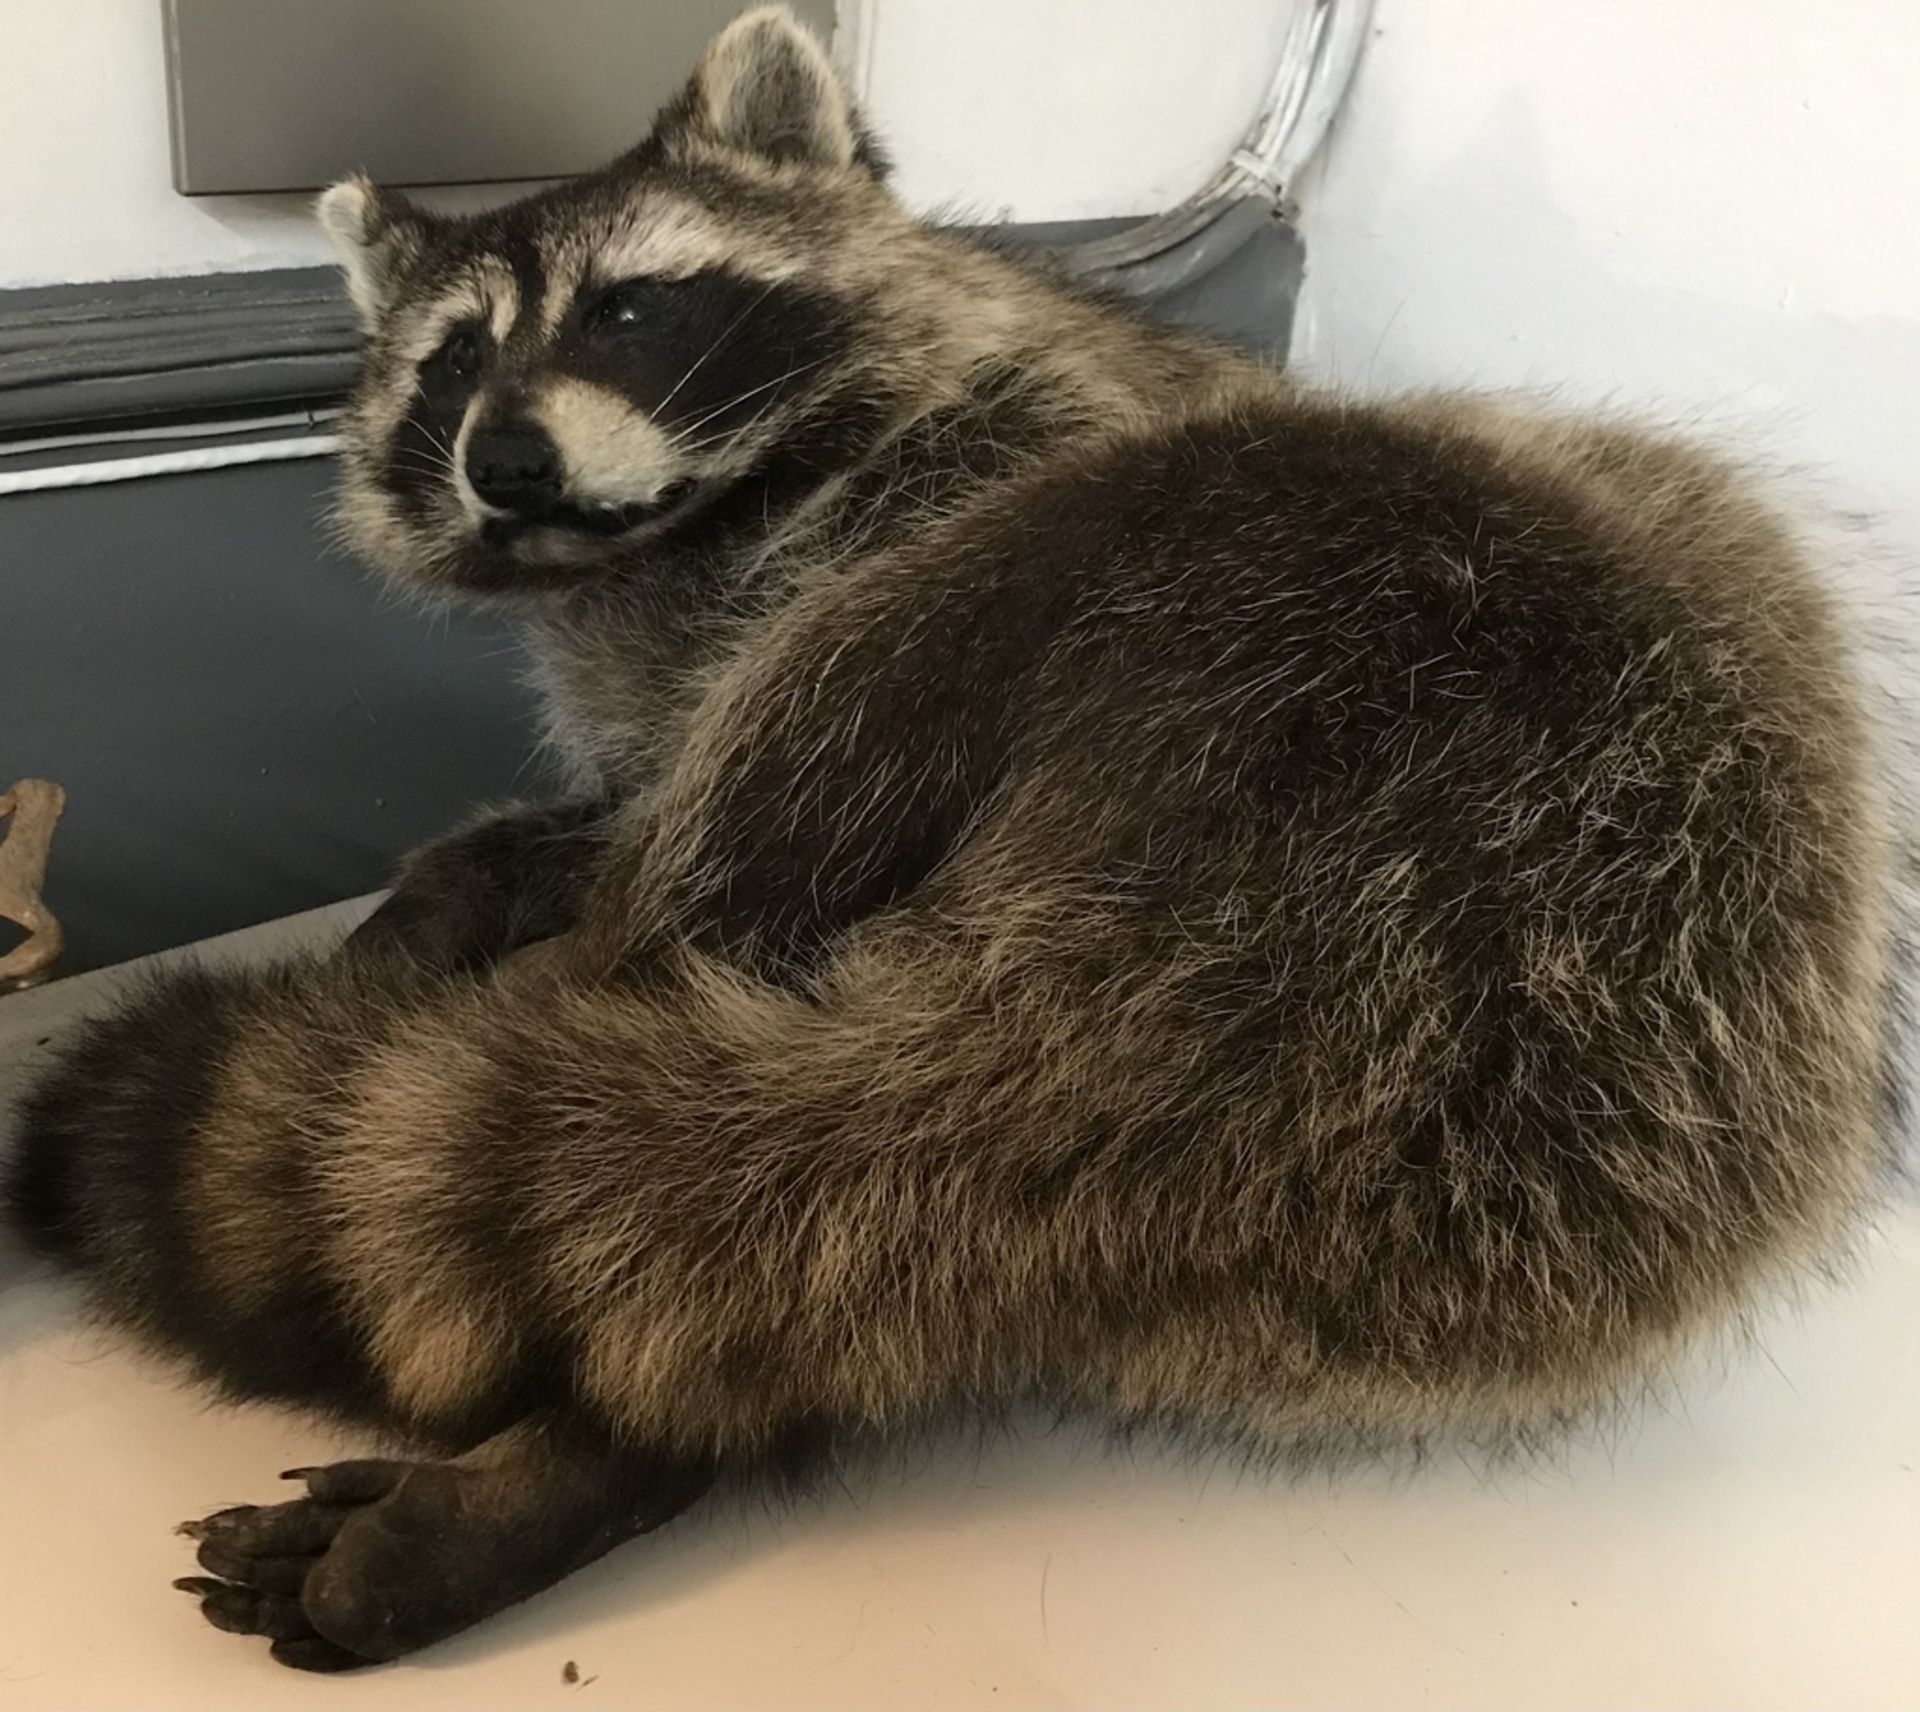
106, 436
168, 464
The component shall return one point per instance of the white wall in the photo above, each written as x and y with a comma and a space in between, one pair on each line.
84, 186
1711, 205
1062, 109
1032, 109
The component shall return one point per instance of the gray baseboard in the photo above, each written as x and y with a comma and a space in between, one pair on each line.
82, 355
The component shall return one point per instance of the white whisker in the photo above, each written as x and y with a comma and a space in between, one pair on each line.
685, 432
726, 333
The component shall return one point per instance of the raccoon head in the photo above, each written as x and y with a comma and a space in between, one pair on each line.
557, 388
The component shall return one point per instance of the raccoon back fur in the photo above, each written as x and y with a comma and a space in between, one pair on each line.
1092, 873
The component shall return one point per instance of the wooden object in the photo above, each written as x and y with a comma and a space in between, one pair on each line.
31, 808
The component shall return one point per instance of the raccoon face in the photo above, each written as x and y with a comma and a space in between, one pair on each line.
554, 388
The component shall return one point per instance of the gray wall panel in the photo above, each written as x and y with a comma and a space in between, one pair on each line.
244, 724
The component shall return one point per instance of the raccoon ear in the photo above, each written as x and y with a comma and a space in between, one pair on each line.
767, 88
376, 232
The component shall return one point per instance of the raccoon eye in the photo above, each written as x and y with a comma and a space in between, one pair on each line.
457, 363
631, 303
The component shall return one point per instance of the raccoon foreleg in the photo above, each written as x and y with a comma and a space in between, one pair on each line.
502, 881
381, 1558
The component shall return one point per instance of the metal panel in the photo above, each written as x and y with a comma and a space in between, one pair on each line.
292, 94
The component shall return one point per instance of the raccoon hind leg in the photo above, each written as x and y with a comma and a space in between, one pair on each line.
382, 1558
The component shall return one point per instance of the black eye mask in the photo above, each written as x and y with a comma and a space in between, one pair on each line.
705, 354
448, 377
418, 468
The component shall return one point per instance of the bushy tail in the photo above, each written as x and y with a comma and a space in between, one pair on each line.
706, 1209
713, 1212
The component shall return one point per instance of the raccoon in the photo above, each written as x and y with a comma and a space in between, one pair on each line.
1087, 873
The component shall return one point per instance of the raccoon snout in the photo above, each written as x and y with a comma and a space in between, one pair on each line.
516, 468
518, 472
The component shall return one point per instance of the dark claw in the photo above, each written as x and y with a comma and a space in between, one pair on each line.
298, 1473
201, 1526
361, 1482
296, 1529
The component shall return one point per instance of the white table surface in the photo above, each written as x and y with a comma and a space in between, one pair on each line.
1754, 1543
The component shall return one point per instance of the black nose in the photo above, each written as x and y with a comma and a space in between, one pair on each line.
515, 467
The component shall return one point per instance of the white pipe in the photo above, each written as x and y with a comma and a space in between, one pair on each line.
168, 464
1316, 64
856, 24
104, 436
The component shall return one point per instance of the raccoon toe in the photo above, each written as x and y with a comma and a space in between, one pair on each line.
260, 1557
316, 1654
265, 1607
247, 1610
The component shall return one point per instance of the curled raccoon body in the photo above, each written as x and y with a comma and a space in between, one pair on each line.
1094, 874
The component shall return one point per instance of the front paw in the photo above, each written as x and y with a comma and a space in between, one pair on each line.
486, 890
